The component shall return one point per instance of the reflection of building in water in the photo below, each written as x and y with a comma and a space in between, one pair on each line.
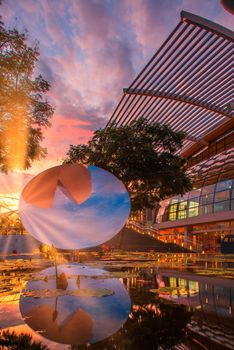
186, 85
213, 295
212, 334
213, 303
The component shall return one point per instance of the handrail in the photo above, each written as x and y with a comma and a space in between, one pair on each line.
143, 229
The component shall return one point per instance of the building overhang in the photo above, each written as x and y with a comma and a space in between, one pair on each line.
188, 84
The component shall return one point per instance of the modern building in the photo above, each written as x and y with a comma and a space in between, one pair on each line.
189, 85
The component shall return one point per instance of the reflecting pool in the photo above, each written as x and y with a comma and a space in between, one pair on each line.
126, 303
75, 304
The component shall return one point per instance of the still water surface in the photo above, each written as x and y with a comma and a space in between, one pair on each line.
119, 304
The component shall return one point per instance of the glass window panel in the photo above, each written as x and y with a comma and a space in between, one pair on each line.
194, 286
193, 212
193, 202
232, 204
221, 206
223, 185
172, 282
207, 199
195, 193
193, 207
205, 209
182, 210
172, 216
222, 196
173, 209
208, 189
182, 214
182, 283
183, 205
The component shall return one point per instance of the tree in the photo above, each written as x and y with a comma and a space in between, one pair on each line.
145, 157
23, 108
13, 341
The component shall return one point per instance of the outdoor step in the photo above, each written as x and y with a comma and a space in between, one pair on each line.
130, 240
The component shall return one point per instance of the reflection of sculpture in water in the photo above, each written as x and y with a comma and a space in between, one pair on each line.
61, 281
70, 307
76, 328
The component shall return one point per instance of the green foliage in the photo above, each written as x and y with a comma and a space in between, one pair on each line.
13, 341
11, 223
23, 109
143, 156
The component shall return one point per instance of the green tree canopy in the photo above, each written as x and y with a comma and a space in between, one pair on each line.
145, 157
23, 108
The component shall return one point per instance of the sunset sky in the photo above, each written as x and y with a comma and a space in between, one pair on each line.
90, 50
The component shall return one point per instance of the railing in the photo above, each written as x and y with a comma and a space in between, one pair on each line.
143, 229
197, 247
155, 233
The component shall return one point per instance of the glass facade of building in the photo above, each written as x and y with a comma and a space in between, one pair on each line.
209, 199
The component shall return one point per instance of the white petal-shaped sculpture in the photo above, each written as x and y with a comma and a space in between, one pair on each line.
74, 178
74, 207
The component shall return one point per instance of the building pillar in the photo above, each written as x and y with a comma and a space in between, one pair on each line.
188, 237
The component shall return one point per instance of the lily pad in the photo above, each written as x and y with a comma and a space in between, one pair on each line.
52, 293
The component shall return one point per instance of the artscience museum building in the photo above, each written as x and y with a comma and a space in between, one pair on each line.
189, 85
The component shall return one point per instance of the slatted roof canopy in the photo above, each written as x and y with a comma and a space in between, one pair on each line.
188, 83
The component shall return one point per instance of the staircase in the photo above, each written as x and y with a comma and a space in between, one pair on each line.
130, 240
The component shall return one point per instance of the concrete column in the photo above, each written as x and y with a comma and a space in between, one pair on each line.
187, 236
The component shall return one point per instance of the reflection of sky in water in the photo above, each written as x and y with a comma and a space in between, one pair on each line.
107, 313
71, 226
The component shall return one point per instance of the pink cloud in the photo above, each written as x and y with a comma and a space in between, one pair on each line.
65, 131
91, 49
151, 21
51, 13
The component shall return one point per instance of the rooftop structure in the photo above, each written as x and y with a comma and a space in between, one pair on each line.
188, 83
